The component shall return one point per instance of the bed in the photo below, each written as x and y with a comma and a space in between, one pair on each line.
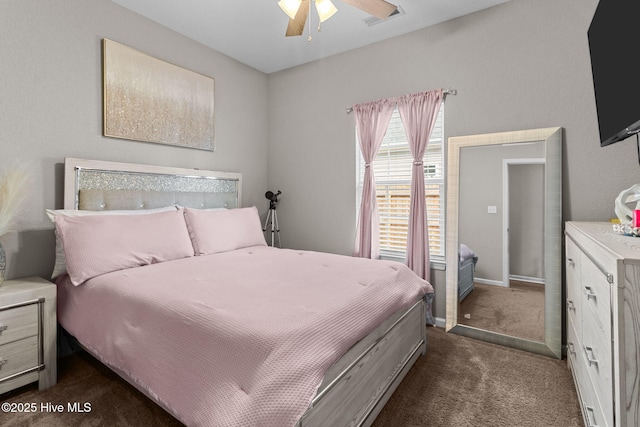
466, 270
191, 306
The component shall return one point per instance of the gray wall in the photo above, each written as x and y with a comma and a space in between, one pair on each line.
51, 108
521, 65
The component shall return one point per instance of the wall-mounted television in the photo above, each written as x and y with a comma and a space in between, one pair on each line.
614, 42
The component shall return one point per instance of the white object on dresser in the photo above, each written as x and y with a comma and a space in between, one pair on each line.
603, 322
27, 333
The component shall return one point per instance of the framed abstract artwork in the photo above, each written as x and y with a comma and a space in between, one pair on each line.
147, 99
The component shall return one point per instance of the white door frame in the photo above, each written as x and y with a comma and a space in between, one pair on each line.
505, 210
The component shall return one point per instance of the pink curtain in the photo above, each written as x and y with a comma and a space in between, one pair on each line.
372, 120
418, 113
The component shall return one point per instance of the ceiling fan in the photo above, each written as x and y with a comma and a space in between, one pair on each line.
298, 11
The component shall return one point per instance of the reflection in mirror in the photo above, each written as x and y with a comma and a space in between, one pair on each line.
505, 283
501, 195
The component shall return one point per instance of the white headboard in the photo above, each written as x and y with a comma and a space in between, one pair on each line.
100, 185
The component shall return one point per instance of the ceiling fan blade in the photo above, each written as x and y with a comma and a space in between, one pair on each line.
381, 9
296, 25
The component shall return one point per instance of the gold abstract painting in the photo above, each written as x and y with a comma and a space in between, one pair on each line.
147, 99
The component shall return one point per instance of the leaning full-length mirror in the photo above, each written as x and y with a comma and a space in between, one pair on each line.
504, 237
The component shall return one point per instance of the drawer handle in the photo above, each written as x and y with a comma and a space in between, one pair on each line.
589, 293
2, 362
590, 356
3, 327
571, 261
571, 305
572, 348
591, 419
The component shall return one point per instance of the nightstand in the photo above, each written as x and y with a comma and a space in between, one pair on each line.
27, 333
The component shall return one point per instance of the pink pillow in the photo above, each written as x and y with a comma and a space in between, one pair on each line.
222, 231
60, 266
95, 245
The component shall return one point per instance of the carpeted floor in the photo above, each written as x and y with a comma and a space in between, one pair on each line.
462, 382
517, 311
459, 382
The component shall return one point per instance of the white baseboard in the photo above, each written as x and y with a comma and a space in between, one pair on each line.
440, 322
490, 282
538, 280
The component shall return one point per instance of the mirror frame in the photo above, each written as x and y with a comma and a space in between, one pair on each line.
552, 138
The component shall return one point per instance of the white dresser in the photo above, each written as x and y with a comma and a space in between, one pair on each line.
603, 322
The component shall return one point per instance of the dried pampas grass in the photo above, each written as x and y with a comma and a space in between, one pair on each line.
13, 189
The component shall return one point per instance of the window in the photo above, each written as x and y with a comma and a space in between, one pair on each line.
392, 171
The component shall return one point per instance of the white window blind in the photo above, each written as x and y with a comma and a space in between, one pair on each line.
392, 171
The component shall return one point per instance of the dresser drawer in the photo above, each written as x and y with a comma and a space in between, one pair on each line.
592, 407
596, 316
27, 333
18, 356
596, 296
18, 323
592, 410
574, 344
596, 335
597, 355
574, 287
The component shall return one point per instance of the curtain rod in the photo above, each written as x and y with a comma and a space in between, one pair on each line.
444, 92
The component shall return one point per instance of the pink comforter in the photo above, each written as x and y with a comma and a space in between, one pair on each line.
241, 338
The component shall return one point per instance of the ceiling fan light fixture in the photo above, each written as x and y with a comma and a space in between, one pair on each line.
325, 9
290, 7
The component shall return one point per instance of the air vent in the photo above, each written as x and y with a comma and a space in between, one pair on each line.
372, 20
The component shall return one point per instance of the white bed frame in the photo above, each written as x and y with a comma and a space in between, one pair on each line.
355, 388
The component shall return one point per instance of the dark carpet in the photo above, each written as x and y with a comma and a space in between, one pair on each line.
459, 382
517, 311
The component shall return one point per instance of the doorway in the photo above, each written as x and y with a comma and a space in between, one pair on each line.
523, 221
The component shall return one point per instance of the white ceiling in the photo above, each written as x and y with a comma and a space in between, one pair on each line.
252, 31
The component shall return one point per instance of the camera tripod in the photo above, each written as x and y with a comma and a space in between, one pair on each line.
272, 218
